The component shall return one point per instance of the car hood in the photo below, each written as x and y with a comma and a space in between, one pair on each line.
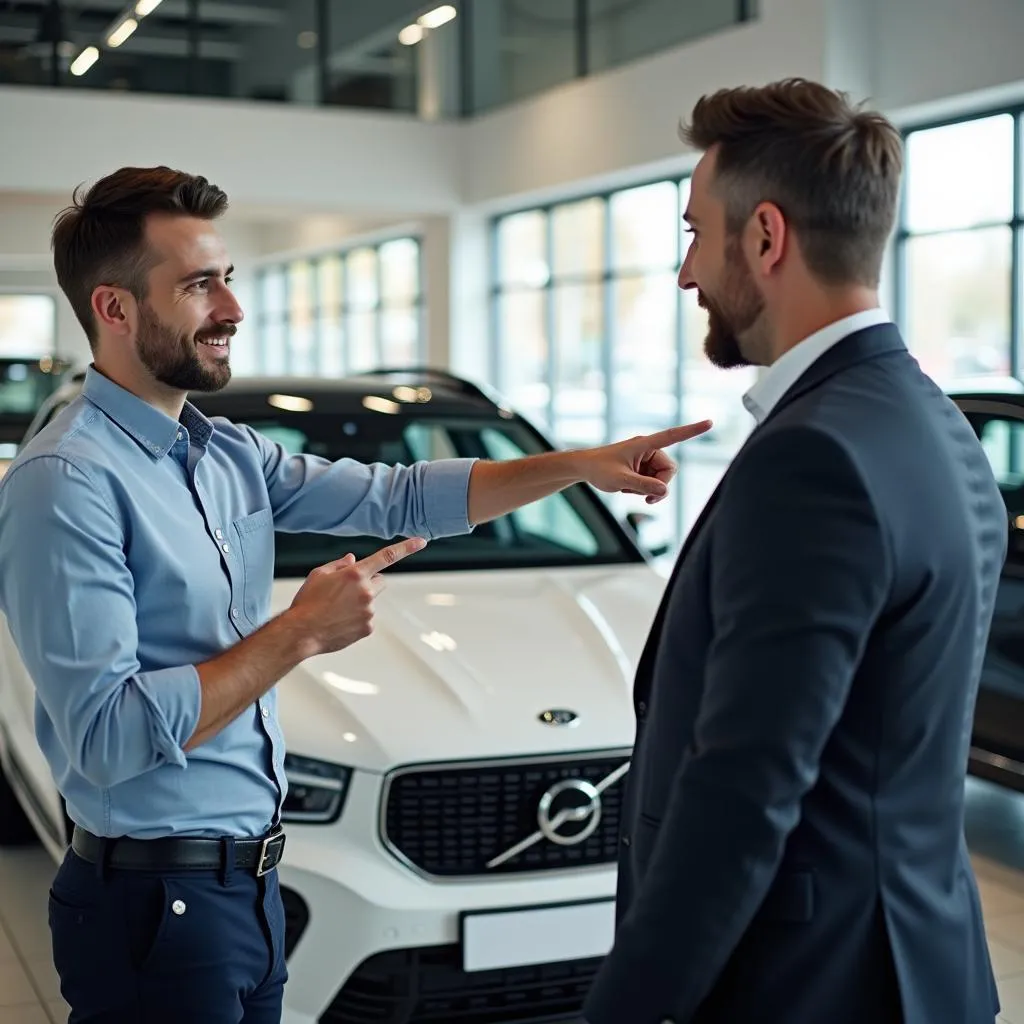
463, 665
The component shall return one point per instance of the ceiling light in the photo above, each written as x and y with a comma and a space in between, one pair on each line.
146, 7
85, 60
410, 35
377, 404
122, 32
290, 403
438, 16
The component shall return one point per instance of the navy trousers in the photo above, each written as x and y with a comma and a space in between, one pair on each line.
190, 947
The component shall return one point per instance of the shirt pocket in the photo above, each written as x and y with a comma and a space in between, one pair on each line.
255, 533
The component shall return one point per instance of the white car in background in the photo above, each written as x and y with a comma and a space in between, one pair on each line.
455, 779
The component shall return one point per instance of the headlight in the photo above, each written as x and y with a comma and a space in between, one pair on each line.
316, 790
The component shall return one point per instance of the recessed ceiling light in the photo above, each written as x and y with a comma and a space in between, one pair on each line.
438, 16
410, 35
85, 60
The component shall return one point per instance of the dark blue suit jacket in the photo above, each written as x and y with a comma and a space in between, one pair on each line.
793, 848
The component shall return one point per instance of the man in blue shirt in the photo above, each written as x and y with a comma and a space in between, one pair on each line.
136, 539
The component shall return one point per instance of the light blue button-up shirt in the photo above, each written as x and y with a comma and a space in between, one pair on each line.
134, 547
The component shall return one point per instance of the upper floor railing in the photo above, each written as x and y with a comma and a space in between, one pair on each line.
435, 61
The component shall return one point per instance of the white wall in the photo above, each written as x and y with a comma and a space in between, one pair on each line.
932, 52
348, 161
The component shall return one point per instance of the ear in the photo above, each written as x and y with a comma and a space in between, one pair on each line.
114, 310
769, 235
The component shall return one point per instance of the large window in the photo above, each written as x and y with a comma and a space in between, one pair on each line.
595, 342
958, 248
28, 325
340, 313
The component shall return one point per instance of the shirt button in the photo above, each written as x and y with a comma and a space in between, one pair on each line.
219, 534
641, 708
181, 436
264, 711
234, 613
225, 547
626, 840
179, 908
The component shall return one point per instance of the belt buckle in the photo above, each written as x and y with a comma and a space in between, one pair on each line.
269, 847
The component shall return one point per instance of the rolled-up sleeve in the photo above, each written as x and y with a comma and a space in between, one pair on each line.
68, 596
315, 495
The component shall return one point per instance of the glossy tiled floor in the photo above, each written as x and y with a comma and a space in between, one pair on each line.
30, 992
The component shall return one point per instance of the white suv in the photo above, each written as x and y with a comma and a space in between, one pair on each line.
455, 779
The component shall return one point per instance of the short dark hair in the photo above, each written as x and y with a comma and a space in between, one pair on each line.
101, 238
832, 168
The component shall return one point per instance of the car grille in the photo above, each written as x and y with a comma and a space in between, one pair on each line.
452, 821
428, 986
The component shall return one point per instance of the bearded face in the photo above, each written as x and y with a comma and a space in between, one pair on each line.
733, 307
182, 361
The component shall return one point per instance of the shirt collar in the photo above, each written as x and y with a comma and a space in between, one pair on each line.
152, 429
778, 378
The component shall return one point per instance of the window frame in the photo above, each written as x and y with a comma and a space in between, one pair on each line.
346, 310
903, 235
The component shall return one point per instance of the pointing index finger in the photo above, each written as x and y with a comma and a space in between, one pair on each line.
666, 438
380, 560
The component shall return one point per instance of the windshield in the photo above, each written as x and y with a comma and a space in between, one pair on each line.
568, 529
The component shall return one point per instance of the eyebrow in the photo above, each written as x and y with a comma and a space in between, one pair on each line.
198, 275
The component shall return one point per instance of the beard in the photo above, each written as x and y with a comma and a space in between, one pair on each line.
732, 313
173, 358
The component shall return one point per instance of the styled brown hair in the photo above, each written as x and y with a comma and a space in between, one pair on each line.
101, 238
833, 170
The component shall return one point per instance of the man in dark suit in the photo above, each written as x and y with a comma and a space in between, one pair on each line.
792, 848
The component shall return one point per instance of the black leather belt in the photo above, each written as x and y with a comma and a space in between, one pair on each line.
179, 853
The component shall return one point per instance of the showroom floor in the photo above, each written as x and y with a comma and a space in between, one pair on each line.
30, 992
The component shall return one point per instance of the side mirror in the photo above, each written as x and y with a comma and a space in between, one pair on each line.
635, 521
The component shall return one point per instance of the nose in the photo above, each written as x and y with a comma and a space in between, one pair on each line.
228, 310
686, 281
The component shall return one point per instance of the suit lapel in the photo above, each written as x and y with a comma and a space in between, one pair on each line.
870, 343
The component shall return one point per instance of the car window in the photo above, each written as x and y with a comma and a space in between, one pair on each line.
1003, 441
566, 529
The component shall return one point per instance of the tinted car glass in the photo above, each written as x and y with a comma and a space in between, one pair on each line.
567, 529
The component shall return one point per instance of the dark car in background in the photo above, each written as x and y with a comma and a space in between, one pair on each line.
25, 384
996, 411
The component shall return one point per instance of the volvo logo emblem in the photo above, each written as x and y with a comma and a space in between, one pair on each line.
569, 812
559, 716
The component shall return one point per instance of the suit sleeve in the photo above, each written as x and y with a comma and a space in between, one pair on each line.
800, 570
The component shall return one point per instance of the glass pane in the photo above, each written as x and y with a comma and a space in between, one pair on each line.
697, 480
400, 271
958, 303
273, 294
362, 278
332, 347
580, 385
645, 227
523, 354
646, 373
273, 346
578, 237
521, 245
27, 326
960, 175
362, 342
619, 32
330, 284
301, 340
711, 393
520, 49
400, 336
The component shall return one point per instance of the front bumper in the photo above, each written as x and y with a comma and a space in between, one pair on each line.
370, 940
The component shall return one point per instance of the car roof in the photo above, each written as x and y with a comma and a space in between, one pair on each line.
405, 389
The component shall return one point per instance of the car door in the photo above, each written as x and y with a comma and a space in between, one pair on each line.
31, 773
998, 736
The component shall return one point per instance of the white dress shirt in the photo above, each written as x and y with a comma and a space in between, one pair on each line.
792, 365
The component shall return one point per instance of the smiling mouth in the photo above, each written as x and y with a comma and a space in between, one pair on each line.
220, 343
